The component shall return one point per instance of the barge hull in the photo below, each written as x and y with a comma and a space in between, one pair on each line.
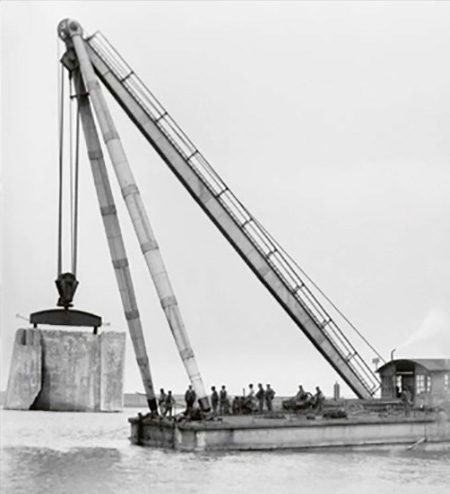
254, 435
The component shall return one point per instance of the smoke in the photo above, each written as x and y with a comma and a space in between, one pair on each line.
431, 339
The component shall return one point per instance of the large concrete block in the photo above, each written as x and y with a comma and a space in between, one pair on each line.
77, 371
25, 377
112, 358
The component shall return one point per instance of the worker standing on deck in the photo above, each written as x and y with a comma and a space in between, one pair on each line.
169, 402
406, 400
260, 397
162, 401
269, 395
224, 404
251, 392
301, 393
189, 398
318, 399
214, 400
249, 400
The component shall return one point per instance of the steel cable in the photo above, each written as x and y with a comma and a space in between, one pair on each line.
75, 205
71, 174
61, 159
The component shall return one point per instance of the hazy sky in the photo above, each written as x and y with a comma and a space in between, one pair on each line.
329, 120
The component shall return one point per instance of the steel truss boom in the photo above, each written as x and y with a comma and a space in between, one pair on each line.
261, 253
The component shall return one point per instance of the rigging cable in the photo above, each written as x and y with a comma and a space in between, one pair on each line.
75, 205
71, 166
288, 257
61, 158
74, 176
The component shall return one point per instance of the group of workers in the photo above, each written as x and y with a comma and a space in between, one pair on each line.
221, 404
220, 401
253, 401
166, 403
260, 397
308, 399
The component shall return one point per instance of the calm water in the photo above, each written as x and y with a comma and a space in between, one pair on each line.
65, 453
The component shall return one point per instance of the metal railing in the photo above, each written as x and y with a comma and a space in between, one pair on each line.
280, 262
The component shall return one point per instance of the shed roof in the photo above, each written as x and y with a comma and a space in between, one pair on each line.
431, 364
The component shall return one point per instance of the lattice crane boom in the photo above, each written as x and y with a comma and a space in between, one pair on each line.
268, 261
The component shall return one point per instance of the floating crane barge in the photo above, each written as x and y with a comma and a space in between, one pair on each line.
290, 432
91, 60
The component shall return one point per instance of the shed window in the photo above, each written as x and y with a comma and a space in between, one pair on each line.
398, 384
428, 384
420, 384
446, 382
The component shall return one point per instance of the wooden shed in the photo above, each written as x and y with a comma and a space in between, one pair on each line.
428, 380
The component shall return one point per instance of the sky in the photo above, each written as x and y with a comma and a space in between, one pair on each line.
329, 120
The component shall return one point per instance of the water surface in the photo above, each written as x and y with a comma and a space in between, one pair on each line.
68, 453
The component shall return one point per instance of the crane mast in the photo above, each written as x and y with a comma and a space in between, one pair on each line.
265, 257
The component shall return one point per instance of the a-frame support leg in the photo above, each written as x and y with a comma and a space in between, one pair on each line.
115, 240
138, 215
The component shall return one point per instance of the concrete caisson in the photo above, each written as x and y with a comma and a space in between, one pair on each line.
66, 370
